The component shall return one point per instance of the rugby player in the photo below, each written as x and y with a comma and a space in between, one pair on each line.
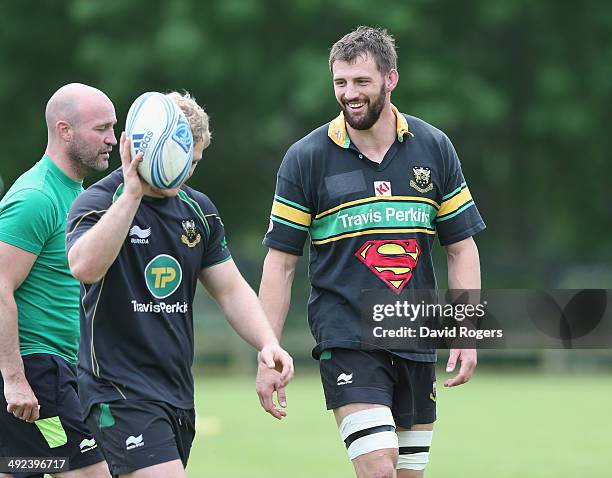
40, 414
372, 188
139, 253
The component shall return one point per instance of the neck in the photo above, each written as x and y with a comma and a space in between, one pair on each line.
382, 133
62, 161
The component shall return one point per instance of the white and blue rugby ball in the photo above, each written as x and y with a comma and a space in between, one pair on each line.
159, 130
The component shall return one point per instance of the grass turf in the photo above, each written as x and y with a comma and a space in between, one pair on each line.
499, 425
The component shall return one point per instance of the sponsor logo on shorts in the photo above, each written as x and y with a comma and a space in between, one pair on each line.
87, 444
139, 235
382, 188
432, 395
163, 276
344, 379
134, 442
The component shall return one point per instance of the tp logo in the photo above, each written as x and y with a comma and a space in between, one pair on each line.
163, 275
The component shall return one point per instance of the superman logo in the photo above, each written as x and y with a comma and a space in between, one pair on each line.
392, 261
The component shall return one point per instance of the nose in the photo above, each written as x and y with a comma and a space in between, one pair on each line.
351, 93
112, 139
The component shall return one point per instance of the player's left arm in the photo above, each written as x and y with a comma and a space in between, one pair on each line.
242, 309
463, 273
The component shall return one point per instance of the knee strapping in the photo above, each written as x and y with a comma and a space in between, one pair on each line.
413, 449
368, 430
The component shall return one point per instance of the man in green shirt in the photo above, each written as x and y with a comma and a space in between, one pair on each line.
40, 415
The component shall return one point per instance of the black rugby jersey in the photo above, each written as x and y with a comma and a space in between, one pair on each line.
137, 321
371, 226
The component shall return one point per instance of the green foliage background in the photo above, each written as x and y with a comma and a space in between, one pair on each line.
522, 88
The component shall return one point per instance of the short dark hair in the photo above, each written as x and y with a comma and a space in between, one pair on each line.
366, 40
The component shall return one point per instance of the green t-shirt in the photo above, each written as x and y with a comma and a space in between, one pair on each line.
33, 217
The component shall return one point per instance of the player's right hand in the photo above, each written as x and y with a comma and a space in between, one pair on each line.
267, 382
20, 399
133, 183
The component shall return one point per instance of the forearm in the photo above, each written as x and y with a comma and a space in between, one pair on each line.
464, 268
11, 364
275, 292
244, 313
97, 249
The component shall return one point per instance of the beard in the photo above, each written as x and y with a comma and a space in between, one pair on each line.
85, 158
374, 107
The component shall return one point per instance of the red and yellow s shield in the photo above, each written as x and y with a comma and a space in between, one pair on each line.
392, 261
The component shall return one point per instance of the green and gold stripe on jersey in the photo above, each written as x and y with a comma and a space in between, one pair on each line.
454, 203
372, 215
290, 213
375, 215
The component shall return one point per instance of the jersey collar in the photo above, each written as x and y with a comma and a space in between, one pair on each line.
338, 134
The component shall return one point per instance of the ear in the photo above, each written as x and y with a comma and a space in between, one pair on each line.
64, 130
391, 79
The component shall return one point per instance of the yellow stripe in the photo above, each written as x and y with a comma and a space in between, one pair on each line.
372, 231
378, 198
455, 202
291, 214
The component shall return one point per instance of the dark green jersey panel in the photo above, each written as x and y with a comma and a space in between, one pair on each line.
137, 321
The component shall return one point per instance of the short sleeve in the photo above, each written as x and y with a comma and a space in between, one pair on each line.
28, 218
216, 250
291, 214
458, 217
85, 212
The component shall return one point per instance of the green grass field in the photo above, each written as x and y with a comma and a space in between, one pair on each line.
499, 425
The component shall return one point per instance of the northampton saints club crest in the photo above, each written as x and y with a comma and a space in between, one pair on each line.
422, 179
191, 237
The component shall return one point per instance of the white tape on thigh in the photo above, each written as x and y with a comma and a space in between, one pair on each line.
368, 430
413, 449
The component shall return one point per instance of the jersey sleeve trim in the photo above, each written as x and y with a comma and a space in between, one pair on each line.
218, 262
291, 203
457, 201
289, 213
101, 211
456, 213
20, 243
287, 223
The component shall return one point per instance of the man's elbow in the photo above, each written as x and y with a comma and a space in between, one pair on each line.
82, 270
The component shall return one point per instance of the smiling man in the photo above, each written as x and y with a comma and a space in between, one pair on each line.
39, 299
371, 188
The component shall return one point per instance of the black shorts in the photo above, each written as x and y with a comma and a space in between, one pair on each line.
407, 387
60, 431
135, 434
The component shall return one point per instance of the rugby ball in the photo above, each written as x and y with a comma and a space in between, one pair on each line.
159, 130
